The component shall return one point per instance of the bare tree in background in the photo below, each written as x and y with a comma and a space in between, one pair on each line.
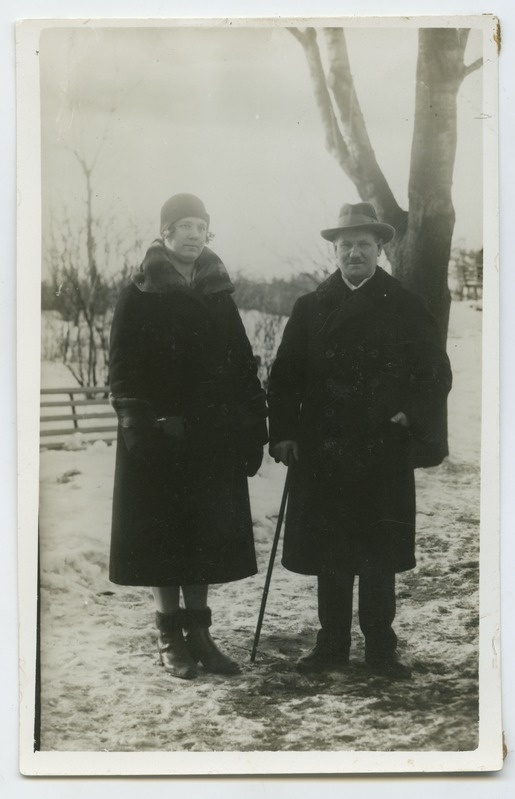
89, 257
266, 339
420, 251
88, 261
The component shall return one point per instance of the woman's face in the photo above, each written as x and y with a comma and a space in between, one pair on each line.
187, 239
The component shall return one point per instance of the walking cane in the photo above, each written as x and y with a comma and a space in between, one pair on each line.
272, 559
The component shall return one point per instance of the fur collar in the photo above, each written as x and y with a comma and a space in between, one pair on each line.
157, 273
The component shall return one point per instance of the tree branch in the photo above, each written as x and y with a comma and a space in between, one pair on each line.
462, 36
298, 34
333, 139
477, 64
82, 161
361, 163
103, 137
78, 378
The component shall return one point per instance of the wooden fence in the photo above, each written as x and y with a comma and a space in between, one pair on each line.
83, 409
470, 279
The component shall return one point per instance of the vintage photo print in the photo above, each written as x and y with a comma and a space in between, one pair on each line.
258, 514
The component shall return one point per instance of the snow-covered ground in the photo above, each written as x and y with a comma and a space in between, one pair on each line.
103, 690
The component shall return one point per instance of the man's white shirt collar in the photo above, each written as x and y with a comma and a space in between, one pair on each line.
352, 286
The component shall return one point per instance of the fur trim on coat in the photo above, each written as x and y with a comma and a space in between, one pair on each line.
158, 274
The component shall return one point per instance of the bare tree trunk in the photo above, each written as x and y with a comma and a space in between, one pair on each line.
421, 257
420, 251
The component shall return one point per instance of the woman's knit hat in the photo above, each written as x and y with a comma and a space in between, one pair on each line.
180, 206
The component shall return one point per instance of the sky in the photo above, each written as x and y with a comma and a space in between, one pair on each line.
229, 114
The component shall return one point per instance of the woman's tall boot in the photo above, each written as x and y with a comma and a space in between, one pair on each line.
202, 647
173, 652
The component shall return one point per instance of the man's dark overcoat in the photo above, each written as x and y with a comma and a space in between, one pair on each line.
348, 362
180, 507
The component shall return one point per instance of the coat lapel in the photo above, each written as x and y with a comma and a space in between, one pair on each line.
354, 304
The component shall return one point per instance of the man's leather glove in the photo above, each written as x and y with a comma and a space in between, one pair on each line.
285, 452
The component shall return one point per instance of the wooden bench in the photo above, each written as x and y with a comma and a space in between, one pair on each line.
73, 405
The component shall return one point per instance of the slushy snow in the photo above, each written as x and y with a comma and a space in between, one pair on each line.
102, 688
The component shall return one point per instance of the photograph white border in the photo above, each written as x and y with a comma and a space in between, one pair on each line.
488, 756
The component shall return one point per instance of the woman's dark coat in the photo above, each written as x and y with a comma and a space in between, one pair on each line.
181, 508
348, 361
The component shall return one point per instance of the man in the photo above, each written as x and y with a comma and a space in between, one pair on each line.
360, 377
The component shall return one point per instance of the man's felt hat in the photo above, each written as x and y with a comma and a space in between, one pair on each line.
359, 215
179, 207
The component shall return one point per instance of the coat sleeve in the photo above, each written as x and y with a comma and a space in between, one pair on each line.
251, 398
287, 377
430, 377
125, 361
138, 421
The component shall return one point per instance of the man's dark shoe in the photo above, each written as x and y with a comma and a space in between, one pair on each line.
389, 667
320, 659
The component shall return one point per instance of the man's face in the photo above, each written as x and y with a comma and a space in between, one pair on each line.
187, 239
357, 252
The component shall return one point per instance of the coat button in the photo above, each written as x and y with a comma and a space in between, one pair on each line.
329, 353
329, 412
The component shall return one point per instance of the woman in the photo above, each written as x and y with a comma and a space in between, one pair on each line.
191, 429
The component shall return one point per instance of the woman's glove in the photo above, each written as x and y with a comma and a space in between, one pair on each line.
173, 427
253, 459
254, 437
146, 437
252, 419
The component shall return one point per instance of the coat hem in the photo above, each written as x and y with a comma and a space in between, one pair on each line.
170, 583
319, 572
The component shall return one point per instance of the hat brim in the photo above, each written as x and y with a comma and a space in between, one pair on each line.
386, 232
